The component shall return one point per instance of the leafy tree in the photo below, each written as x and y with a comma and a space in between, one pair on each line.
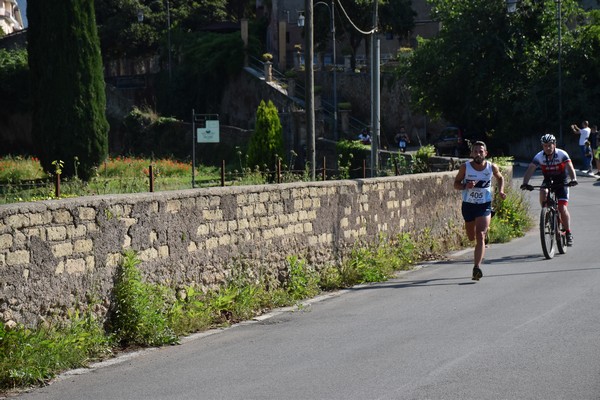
67, 85
122, 35
266, 143
493, 72
14, 81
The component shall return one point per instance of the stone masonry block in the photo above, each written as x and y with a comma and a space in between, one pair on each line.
18, 221
5, 241
60, 268
260, 209
232, 226
62, 250
263, 197
163, 251
17, 257
83, 246
202, 230
112, 260
148, 254
56, 233
62, 217
76, 231
220, 227
212, 215
87, 213
173, 206
90, 263
40, 218
212, 243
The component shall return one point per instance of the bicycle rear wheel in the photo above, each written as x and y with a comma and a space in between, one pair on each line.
547, 234
561, 236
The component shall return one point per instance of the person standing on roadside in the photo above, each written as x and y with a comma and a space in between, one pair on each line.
584, 134
474, 179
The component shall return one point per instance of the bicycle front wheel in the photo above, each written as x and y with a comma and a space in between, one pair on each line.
547, 232
561, 236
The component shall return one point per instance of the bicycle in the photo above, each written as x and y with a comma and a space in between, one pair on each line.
552, 231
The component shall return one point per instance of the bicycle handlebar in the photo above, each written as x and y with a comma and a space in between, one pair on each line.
552, 186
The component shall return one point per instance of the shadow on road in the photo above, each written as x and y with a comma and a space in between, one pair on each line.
460, 281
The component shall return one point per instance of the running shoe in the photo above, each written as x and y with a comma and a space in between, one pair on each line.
569, 239
477, 274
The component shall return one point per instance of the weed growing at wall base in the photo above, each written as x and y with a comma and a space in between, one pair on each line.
33, 356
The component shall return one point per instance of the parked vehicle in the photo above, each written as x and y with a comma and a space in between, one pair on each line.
452, 142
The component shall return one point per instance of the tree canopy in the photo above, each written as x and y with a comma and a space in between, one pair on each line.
496, 73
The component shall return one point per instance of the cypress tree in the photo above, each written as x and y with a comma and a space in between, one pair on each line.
68, 97
266, 143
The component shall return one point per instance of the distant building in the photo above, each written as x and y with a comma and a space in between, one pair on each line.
10, 16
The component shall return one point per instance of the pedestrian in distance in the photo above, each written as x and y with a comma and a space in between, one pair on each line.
556, 166
402, 139
588, 155
474, 179
584, 134
364, 136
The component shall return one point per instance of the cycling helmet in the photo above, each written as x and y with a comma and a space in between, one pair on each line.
548, 138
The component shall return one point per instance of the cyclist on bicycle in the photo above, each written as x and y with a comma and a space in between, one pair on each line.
474, 178
555, 164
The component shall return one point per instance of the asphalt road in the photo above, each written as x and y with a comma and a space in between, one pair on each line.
530, 329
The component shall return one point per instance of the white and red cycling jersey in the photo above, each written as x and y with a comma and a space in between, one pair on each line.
554, 165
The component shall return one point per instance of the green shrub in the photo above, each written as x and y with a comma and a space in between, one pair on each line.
351, 154
303, 281
511, 218
32, 356
421, 160
139, 314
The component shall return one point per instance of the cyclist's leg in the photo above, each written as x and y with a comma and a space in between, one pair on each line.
547, 182
562, 195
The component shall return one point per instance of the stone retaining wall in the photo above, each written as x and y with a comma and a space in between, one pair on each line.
59, 255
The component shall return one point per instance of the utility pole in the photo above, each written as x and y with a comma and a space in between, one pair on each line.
310, 88
375, 94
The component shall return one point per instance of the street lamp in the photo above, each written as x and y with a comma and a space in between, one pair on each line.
335, 114
511, 7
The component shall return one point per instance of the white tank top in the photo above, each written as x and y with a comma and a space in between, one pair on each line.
482, 192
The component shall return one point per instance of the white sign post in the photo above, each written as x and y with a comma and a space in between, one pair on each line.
210, 133
207, 132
